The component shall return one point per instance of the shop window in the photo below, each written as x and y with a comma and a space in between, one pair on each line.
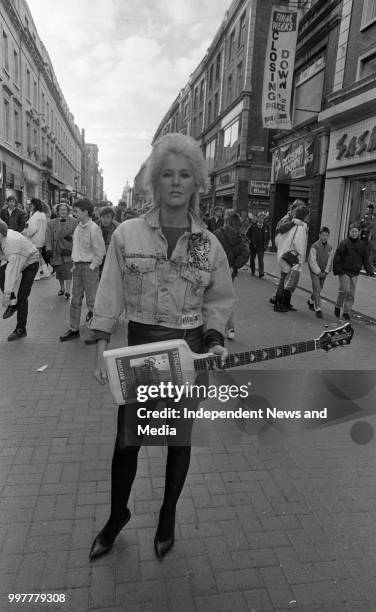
231, 143
369, 13
367, 65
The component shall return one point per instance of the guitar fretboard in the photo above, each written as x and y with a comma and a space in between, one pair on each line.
264, 354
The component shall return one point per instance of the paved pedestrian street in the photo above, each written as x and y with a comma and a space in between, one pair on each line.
275, 514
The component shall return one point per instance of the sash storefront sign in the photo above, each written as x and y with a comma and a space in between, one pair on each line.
296, 160
279, 68
354, 144
259, 188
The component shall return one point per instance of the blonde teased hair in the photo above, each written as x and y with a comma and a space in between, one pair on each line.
178, 144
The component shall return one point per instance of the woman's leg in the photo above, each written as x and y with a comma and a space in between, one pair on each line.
178, 460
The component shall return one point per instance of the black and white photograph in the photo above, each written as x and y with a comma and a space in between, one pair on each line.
188, 306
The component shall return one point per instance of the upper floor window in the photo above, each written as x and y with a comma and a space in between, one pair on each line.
201, 92
229, 89
195, 98
210, 154
369, 13
16, 66
231, 46
367, 65
28, 84
211, 77
215, 105
7, 120
241, 38
6, 51
239, 78
218, 67
35, 95
209, 111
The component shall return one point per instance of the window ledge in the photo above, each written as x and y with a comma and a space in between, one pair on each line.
367, 25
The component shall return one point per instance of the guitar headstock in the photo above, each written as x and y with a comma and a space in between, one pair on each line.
339, 336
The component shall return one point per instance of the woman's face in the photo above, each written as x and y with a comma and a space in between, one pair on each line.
63, 212
176, 182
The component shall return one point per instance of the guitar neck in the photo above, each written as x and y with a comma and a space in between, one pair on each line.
248, 357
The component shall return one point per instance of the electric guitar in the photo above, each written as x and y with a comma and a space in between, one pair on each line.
172, 361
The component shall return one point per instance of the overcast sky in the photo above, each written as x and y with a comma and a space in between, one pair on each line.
121, 64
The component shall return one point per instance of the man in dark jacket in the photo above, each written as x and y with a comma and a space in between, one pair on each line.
349, 258
13, 216
256, 235
108, 225
216, 221
237, 251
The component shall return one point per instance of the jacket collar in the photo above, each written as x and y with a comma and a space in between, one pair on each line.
152, 218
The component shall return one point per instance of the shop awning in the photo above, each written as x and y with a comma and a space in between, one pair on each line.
56, 183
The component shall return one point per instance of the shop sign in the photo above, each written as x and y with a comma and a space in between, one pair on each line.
352, 145
259, 188
298, 159
258, 148
225, 179
279, 68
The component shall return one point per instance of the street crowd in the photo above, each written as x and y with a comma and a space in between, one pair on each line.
72, 241
174, 273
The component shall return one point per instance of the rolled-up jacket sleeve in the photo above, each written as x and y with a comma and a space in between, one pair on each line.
219, 296
109, 301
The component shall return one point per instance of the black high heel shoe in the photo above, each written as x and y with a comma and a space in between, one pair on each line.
102, 544
165, 535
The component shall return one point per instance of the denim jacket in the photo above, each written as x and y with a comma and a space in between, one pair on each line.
190, 289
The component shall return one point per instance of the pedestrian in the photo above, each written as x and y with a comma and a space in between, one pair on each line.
12, 215
36, 228
244, 222
368, 232
288, 221
120, 211
185, 292
320, 265
22, 262
59, 244
256, 236
350, 257
294, 240
87, 254
216, 221
107, 225
237, 251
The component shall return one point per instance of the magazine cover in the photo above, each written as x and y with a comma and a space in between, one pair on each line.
147, 369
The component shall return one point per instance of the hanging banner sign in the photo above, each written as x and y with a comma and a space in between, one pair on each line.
279, 69
299, 159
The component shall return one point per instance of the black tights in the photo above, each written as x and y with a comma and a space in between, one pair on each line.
123, 472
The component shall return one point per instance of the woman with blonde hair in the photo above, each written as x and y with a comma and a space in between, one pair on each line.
172, 278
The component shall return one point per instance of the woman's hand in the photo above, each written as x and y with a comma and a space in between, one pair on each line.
100, 372
219, 351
